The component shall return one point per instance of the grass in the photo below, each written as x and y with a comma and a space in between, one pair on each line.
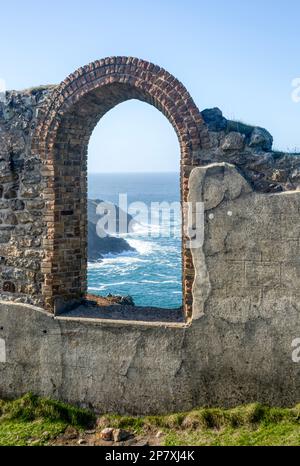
20, 433
252, 424
271, 435
34, 420
37, 421
240, 127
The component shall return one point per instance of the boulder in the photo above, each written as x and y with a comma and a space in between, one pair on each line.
233, 141
123, 300
214, 119
120, 434
107, 434
261, 138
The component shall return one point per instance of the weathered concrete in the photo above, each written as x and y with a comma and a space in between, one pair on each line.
135, 368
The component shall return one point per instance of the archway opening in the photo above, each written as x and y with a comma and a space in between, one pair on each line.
66, 122
134, 164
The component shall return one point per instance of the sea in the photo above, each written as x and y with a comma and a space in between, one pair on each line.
152, 273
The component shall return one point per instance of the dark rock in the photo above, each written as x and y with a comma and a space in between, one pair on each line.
31, 178
98, 246
9, 287
4, 204
261, 138
121, 216
4, 235
10, 194
24, 217
120, 434
214, 119
123, 300
9, 218
17, 204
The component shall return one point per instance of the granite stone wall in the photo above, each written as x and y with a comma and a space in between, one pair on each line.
249, 148
22, 204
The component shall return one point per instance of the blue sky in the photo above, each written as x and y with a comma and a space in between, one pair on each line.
238, 55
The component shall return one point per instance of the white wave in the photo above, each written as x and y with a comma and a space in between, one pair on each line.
115, 261
108, 285
160, 282
156, 230
97, 288
111, 255
142, 247
145, 228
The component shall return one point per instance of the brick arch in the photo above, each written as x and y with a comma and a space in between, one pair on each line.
61, 138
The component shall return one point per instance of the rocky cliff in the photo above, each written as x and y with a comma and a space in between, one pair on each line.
98, 246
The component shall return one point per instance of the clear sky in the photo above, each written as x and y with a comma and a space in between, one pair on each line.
238, 55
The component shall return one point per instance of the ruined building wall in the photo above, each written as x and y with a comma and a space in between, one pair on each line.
249, 148
237, 349
243, 283
23, 187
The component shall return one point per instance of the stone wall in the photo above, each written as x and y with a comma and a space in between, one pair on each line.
249, 148
22, 206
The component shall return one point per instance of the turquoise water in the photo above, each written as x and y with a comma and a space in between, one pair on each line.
152, 273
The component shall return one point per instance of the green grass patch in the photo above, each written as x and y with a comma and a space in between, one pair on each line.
20, 433
252, 424
261, 435
31, 420
31, 407
34, 420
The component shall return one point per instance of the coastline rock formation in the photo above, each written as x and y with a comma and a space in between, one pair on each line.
98, 246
